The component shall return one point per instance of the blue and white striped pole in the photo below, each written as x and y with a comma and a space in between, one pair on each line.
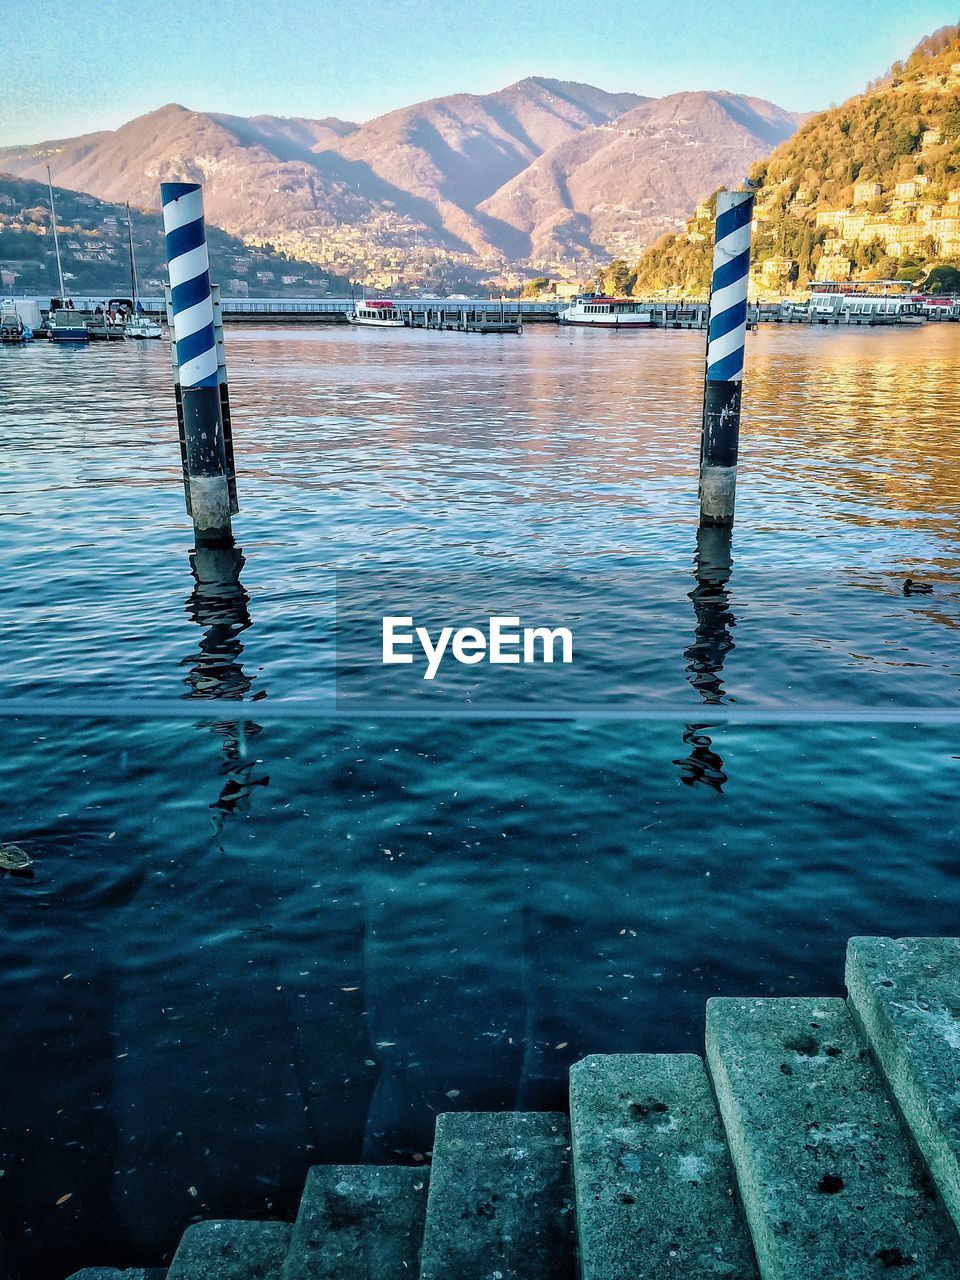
195, 345
726, 337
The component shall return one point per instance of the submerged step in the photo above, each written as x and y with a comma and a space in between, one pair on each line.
231, 1251
113, 1273
655, 1188
905, 993
358, 1222
500, 1200
830, 1184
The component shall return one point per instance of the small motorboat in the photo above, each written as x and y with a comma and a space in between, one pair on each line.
13, 332
67, 325
142, 327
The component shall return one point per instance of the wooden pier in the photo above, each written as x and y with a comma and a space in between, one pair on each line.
475, 318
819, 1137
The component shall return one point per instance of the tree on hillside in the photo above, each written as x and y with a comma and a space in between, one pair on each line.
614, 279
943, 279
533, 288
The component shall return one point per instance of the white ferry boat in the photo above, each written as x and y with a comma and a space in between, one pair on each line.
378, 315
606, 313
879, 302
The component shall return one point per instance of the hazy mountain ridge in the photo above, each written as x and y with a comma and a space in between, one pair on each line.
616, 187
541, 169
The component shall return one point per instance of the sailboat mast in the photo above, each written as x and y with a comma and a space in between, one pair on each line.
133, 264
56, 239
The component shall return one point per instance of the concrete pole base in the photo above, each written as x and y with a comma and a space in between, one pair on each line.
718, 493
210, 505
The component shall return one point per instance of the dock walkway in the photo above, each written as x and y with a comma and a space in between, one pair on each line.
819, 1138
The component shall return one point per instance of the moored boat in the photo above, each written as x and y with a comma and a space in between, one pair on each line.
104, 325
142, 327
597, 311
138, 325
12, 329
863, 302
377, 315
68, 326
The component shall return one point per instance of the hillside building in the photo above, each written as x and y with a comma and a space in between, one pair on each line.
910, 189
864, 192
832, 219
852, 225
776, 268
834, 266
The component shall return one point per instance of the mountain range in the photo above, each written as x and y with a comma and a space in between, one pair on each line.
541, 173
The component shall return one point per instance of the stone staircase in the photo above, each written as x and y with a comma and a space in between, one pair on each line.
820, 1140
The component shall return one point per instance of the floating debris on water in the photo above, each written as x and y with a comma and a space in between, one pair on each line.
13, 858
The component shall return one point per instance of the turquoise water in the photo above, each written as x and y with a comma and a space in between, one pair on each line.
264, 936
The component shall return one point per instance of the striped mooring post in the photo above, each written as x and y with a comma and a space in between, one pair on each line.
203, 408
726, 336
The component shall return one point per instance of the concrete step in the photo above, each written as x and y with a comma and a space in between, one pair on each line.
831, 1186
905, 995
655, 1188
231, 1251
500, 1200
358, 1222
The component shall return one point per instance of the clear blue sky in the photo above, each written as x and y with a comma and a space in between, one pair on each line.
70, 66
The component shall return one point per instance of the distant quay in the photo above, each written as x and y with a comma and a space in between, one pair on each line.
457, 313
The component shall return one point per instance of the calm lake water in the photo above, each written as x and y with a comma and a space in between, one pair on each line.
268, 935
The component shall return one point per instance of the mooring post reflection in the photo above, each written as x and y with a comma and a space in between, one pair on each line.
219, 604
705, 657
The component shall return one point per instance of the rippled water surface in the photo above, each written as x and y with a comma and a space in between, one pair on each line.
261, 936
